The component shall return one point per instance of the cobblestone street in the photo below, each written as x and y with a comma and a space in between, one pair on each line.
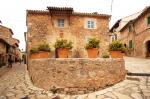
15, 84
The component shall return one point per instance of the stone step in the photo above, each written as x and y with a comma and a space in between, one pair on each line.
138, 74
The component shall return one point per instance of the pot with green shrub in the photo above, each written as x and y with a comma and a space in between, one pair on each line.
62, 47
41, 51
116, 48
105, 55
92, 47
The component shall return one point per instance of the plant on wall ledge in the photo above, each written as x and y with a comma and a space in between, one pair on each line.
116, 48
33, 50
44, 47
63, 46
92, 47
105, 55
41, 51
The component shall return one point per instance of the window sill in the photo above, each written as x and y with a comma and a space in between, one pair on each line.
91, 28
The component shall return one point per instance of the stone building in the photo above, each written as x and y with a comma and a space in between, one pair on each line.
63, 22
8, 45
134, 32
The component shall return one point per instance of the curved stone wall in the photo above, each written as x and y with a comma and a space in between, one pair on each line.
76, 75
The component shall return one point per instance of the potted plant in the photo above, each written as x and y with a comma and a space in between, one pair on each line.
62, 47
42, 51
105, 55
92, 47
116, 48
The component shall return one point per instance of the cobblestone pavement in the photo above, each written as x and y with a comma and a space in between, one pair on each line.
15, 84
137, 65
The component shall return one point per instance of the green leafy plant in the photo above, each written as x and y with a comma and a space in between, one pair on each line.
92, 43
44, 47
63, 43
41, 47
116, 46
105, 55
33, 50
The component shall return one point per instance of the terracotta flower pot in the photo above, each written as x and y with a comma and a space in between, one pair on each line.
40, 54
92, 52
62, 52
116, 54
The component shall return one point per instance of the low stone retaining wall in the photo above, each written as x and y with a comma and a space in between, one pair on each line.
76, 75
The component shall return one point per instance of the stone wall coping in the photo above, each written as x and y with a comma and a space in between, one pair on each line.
67, 59
76, 75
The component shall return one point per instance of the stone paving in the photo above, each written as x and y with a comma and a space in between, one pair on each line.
15, 84
137, 65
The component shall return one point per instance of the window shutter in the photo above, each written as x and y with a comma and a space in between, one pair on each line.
148, 20
130, 44
130, 28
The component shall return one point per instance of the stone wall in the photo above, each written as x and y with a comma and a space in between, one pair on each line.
76, 75
43, 27
2, 47
139, 36
4, 31
142, 31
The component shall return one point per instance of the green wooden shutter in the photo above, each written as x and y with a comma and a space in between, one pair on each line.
130, 28
148, 20
130, 44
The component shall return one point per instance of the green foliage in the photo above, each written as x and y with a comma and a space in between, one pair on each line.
116, 46
41, 47
92, 43
105, 55
33, 50
44, 47
63, 43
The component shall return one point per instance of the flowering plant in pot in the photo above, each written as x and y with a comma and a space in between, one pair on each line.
62, 47
92, 47
41, 51
116, 48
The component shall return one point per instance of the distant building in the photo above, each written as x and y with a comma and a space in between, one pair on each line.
8, 45
134, 32
59, 22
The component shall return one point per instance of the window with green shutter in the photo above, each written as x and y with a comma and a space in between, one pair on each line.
130, 44
148, 20
130, 28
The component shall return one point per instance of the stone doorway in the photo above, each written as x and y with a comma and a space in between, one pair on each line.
148, 48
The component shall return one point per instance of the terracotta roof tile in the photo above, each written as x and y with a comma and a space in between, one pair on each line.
60, 8
57, 10
134, 19
7, 28
123, 22
37, 12
91, 14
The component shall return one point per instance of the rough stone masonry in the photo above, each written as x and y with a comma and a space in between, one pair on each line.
76, 75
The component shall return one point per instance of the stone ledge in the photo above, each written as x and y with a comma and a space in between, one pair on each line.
76, 75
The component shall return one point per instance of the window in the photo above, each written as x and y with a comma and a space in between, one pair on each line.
90, 24
61, 23
148, 20
130, 44
130, 28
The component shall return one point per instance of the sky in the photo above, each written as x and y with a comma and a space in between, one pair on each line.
13, 12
